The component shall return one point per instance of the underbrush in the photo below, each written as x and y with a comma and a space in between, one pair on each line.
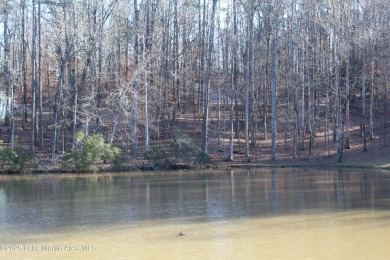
184, 153
15, 161
88, 152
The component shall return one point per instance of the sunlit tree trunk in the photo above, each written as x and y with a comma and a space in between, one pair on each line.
33, 76
372, 100
273, 91
385, 73
39, 82
233, 78
337, 95
56, 109
363, 100
207, 81
347, 105
247, 82
134, 108
24, 64
6, 73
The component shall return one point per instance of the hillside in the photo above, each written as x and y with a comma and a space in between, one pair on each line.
161, 80
378, 155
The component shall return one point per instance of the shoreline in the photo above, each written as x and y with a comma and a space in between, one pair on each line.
282, 164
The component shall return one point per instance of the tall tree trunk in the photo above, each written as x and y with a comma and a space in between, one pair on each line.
207, 81
385, 73
303, 112
273, 91
7, 77
363, 95
253, 102
347, 90
201, 44
146, 114
147, 49
328, 84
231, 114
337, 94
24, 65
175, 50
134, 115
233, 83
40, 107
247, 83
33, 76
372, 100
56, 109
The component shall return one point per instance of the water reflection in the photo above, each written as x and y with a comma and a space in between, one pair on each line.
45, 203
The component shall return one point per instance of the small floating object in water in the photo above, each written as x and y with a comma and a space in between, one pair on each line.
181, 233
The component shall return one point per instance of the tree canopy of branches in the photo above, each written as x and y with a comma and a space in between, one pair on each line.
130, 70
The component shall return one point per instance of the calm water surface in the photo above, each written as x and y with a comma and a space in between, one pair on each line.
240, 214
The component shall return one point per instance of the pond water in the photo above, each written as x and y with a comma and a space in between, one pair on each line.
240, 214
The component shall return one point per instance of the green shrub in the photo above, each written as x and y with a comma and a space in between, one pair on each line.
93, 149
16, 161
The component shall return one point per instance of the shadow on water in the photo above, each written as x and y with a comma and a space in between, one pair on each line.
50, 202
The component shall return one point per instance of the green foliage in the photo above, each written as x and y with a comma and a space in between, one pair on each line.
94, 149
79, 136
16, 161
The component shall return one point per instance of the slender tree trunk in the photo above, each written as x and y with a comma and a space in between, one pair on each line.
347, 90
363, 95
372, 101
12, 119
146, 102
296, 122
24, 66
207, 81
146, 53
40, 107
303, 112
74, 120
310, 90
288, 77
233, 83
337, 101
328, 85
231, 115
384, 65
247, 82
56, 109
7, 77
327, 114
252, 80
146, 115
33, 76
175, 53
134, 119
273, 91
202, 32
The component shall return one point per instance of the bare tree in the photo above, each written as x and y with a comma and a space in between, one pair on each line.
273, 85
134, 108
207, 81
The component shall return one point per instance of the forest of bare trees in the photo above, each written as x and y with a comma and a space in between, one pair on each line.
246, 70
